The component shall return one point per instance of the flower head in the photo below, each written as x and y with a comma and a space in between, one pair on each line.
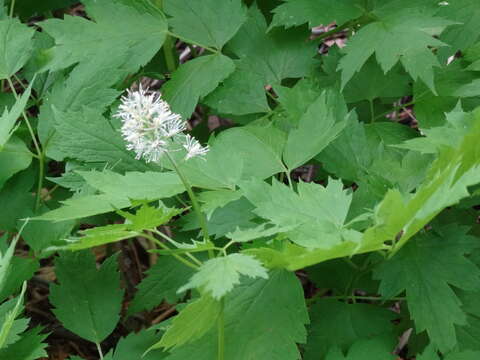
151, 129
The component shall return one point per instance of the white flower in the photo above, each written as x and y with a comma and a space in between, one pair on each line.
151, 129
194, 148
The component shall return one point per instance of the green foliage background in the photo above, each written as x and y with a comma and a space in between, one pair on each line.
380, 242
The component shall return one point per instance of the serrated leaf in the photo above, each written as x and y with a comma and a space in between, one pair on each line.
405, 28
107, 37
29, 347
196, 79
425, 269
10, 329
24, 270
219, 276
9, 118
16, 46
98, 236
318, 212
191, 323
315, 12
117, 191
277, 309
149, 217
162, 282
338, 324
87, 301
327, 116
206, 22
88, 136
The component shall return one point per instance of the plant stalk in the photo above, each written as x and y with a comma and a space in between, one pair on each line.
221, 331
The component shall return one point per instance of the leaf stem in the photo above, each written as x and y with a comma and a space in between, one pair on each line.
372, 111
196, 207
221, 331
12, 7
168, 52
165, 247
99, 349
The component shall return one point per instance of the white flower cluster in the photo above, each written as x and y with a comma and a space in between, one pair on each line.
151, 129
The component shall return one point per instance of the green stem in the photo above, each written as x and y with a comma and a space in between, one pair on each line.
168, 52
12, 7
165, 247
196, 207
99, 349
221, 332
40, 154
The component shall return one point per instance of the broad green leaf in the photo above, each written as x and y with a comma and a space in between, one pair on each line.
162, 282
273, 56
466, 15
117, 191
379, 348
258, 232
339, 324
425, 269
16, 46
468, 336
464, 355
240, 94
24, 269
14, 157
315, 12
98, 236
194, 80
88, 85
78, 39
29, 347
87, 301
318, 212
88, 136
205, 22
9, 118
28, 8
399, 34
453, 84
133, 347
264, 319
326, 117
219, 276
214, 199
191, 323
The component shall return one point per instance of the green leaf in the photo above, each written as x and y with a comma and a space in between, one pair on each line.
78, 39
194, 80
117, 191
191, 323
464, 355
149, 217
219, 276
214, 199
162, 282
87, 301
241, 93
468, 335
315, 12
16, 46
264, 319
14, 157
205, 22
327, 116
339, 324
88, 136
10, 327
273, 56
24, 269
318, 212
379, 348
399, 34
29, 347
133, 347
98, 236
425, 269
9, 118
